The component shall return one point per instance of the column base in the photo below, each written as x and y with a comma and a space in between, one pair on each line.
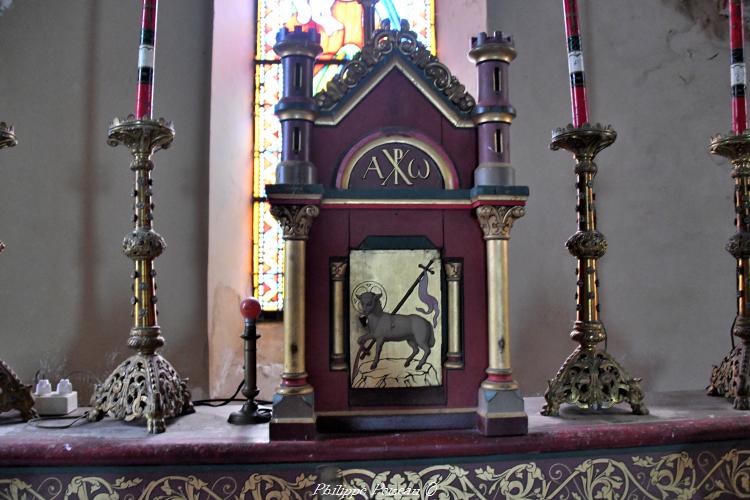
454, 361
494, 174
500, 412
14, 395
143, 386
731, 378
592, 379
293, 416
296, 172
338, 362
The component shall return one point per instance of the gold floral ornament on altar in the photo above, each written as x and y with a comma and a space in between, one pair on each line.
399, 346
653, 477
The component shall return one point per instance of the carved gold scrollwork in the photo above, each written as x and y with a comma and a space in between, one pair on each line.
14, 394
143, 386
585, 142
497, 221
453, 270
338, 269
143, 244
295, 220
383, 42
7, 136
141, 137
592, 379
739, 245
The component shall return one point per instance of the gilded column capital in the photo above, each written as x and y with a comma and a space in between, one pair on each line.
295, 220
497, 221
338, 270
453, 270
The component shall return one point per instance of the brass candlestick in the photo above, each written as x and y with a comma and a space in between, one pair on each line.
144, 385
732, 378
590, 378
14, 395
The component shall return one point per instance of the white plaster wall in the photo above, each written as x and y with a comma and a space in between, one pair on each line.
65, 196
456, 21
230, 215
662, 80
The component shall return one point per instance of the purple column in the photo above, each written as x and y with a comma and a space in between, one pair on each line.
493, 113
296, 108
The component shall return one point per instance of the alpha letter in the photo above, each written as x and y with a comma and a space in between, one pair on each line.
374, 165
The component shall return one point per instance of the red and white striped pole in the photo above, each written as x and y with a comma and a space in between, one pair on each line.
575, 64
737, 38
145, 93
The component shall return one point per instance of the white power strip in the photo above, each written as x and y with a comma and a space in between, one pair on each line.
60, 402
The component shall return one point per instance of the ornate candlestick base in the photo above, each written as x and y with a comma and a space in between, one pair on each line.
144, 385
14, 395
732, 378
590, 378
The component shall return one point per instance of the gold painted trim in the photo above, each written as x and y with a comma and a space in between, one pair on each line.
481, 118
296, 114
437, 156
282, 420
419, 201
499, 415
396, 201
491, 385
411, 411
379, 75
296, 196
290, 48
492, 52
299, 390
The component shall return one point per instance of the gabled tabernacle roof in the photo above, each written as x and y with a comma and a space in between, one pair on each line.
386, 50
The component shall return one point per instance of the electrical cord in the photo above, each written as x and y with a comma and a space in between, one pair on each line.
218, 402
75, 419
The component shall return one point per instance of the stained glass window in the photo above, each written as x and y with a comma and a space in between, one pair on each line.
340, 25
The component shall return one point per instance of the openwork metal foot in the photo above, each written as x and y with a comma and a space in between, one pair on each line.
14, 395
143, 386
731, 378
592, 379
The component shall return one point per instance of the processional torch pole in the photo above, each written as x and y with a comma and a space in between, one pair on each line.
250, 413
732, 378
14, 395
590, 378
144, 385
